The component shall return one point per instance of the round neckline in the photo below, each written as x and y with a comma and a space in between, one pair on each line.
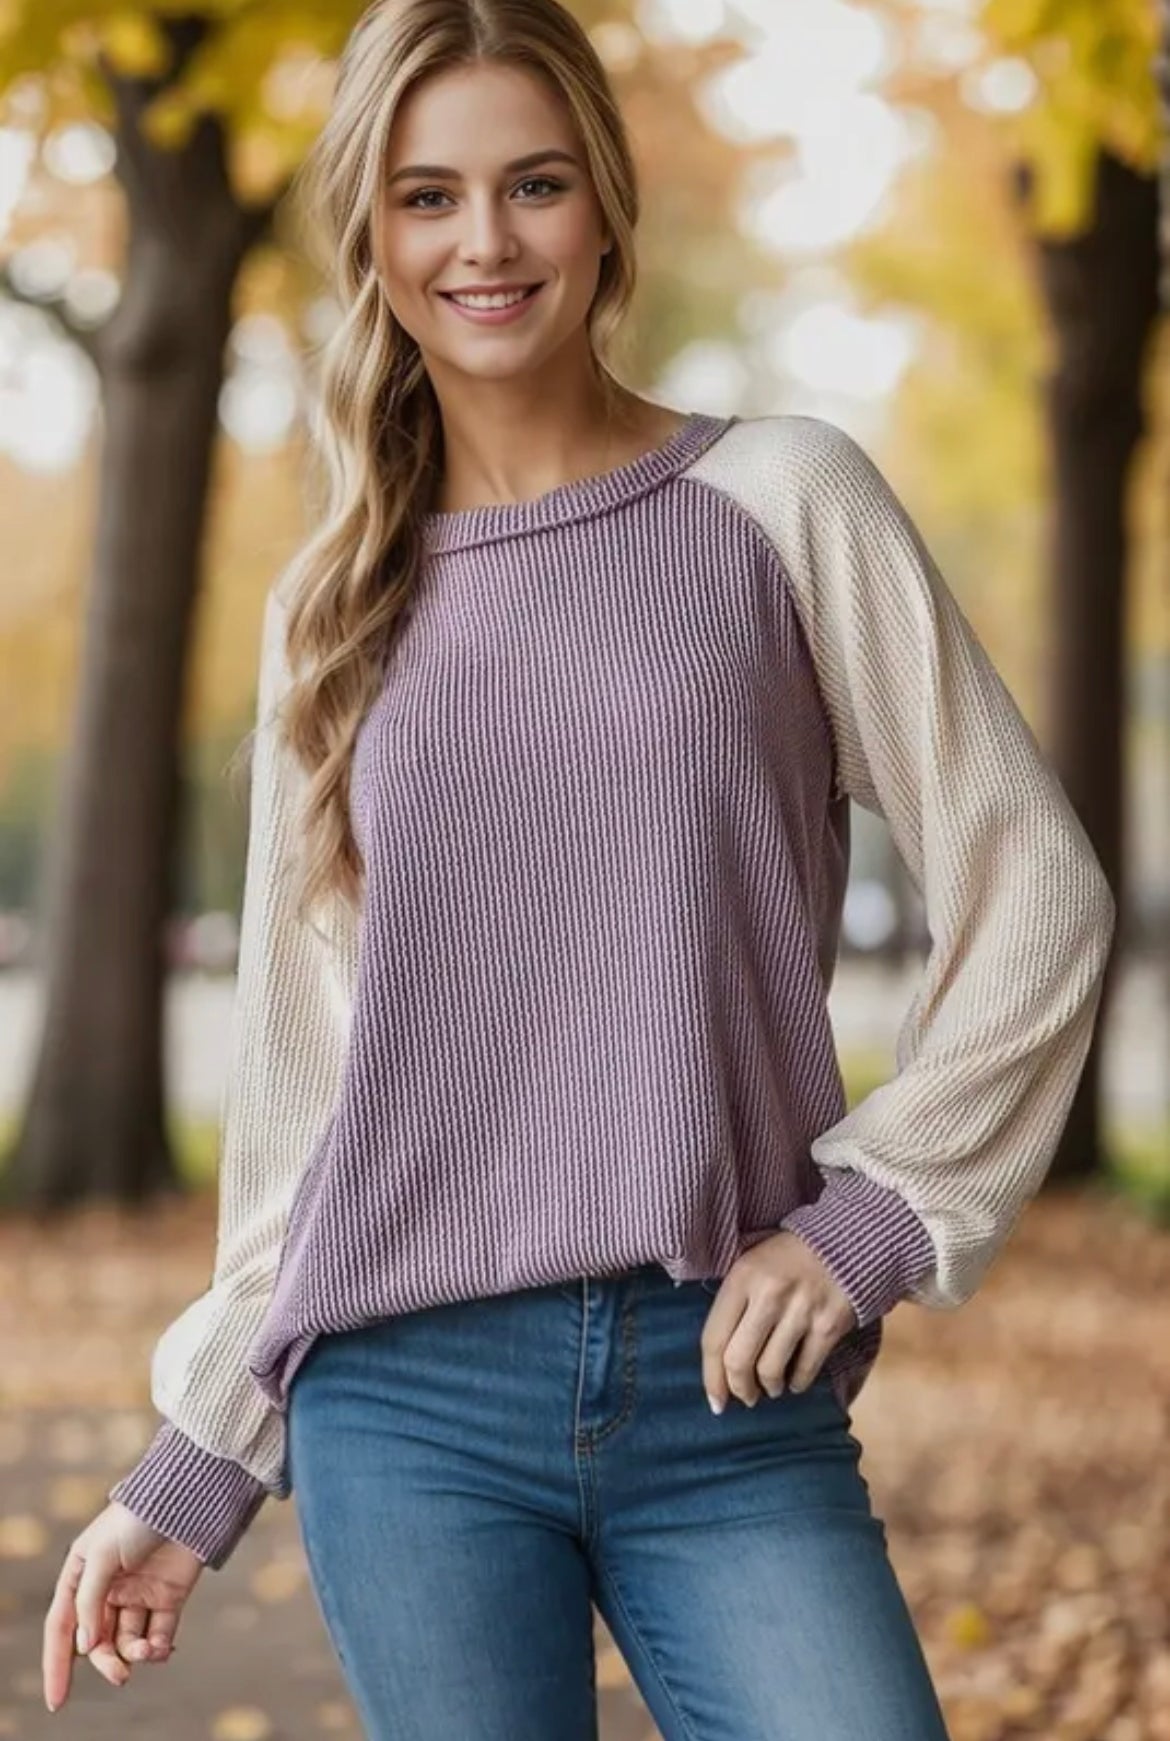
579, 498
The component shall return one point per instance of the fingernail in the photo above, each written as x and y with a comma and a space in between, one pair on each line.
82, 1640
716, 1405
50, 1704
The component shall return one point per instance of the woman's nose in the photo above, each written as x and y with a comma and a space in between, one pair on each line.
487, 232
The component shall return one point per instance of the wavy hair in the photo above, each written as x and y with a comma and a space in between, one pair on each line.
378, 422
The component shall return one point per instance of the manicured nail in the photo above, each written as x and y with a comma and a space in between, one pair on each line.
716, 1405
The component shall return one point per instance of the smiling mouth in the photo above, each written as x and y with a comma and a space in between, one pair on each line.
514, 301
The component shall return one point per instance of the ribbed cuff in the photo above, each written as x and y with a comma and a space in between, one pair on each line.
868, 1238
190, 1495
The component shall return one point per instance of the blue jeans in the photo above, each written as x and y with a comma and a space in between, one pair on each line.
471, 1477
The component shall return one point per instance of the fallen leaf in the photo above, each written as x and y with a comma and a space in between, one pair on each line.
241, 1723
968, 1627
278, 1580
334, 1716
22, 1537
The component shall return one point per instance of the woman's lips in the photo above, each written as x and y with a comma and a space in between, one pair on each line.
493, 316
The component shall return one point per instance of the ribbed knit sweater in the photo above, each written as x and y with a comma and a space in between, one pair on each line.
580, 1021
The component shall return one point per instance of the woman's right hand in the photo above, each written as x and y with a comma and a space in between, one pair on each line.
124, 1584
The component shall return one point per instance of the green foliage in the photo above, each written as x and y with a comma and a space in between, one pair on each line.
215, 825
1094, 63
196, 1147
24, 807
1140, 1158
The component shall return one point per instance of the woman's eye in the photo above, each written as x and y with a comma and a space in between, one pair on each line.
543, 181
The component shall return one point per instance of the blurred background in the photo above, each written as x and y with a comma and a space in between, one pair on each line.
934, 222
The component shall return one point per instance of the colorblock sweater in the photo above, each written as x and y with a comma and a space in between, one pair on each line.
580, 1020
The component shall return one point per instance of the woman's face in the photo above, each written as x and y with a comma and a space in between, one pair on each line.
458, 209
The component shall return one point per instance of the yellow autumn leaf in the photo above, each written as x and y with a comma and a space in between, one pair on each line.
169, 120
1021, 1704
135, 45
334, 1716
968, 1626
1064, 163
259, 165
278, 1581
208, 85
76, 1498
22, 1537
1096, 87
81, 39
241, 1723
1015, 21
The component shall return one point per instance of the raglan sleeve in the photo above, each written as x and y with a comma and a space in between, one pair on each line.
926, 1176
220, 1448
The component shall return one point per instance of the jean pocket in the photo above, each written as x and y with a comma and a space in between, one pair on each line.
710, 1284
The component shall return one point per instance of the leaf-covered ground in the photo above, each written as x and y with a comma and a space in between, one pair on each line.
1019, 1451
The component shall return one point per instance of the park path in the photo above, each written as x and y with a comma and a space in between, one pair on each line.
1016, 1450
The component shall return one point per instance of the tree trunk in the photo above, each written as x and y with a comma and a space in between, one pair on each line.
94, 1125
1101, 292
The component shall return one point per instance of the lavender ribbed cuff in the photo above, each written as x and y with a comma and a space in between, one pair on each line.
869, 1239
187, 1493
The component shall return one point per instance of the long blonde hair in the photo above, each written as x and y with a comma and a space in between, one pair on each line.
378, 422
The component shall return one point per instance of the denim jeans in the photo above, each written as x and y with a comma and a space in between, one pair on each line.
471, 1477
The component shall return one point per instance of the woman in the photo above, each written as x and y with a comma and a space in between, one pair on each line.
535, 1130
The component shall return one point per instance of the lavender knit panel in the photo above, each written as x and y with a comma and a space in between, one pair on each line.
205, 1502
605, 878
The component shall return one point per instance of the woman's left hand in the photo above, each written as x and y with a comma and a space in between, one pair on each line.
776, 1297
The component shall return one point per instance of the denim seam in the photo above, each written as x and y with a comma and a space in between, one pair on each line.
629, 1362
588, 1518
325, 1598
687, 1733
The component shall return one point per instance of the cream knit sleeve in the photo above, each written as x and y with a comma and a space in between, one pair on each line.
1020, 915
221, 1446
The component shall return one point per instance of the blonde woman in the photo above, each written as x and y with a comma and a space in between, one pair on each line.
550, 1261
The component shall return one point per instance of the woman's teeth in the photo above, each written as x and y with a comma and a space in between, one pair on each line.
499, 300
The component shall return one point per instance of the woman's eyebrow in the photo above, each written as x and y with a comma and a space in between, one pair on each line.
437, 169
